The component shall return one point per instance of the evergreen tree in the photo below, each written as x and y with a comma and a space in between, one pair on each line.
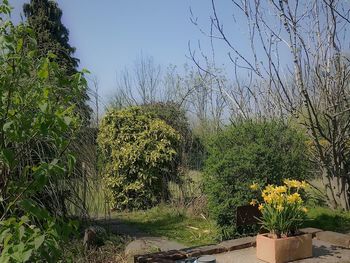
44, 17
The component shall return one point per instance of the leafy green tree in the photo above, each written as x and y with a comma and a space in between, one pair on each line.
35, 133
138, 152
44, 17
259, 152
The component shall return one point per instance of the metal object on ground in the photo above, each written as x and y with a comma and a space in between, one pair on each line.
187, 260
206, 259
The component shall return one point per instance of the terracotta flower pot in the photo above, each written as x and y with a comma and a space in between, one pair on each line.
283, 249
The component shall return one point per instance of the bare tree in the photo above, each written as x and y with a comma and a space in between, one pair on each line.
297, 67
141, 84
199, 94
205, 101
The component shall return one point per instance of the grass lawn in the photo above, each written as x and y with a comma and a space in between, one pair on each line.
172, 223
327, 219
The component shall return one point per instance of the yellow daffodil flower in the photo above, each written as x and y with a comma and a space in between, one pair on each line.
253, 202
254, 187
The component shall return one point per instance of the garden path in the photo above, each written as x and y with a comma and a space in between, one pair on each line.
142, 242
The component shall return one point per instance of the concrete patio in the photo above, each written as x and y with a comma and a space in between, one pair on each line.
323, 252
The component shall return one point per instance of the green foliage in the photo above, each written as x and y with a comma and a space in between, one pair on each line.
172, 114
35, 132
139, 152
175, 117
261, 152
191, 148
22, 241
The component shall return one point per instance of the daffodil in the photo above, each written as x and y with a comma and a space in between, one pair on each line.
254, 187
279, 208
283, 206
294, 198
304, 185
253, 202
269, 188
281, 189
268, 199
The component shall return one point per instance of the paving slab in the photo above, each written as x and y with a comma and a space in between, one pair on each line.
311, 230
146, 245
323, 252
239, 243
342, 240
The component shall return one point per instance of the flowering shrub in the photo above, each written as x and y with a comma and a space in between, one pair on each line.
282, 208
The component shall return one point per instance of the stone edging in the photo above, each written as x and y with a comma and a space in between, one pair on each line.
172, 255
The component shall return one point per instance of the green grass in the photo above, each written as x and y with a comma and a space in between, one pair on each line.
172, 223
194, 231
327, 219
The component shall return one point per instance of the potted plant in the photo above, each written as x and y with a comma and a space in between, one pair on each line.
282, 214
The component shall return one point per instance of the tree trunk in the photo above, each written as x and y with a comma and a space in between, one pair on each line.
337, 190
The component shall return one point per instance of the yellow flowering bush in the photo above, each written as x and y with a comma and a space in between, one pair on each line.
282, 207
139, 156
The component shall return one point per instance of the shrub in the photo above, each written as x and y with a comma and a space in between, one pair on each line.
172, 114
37, 123
261, 152
139, 155
191, 149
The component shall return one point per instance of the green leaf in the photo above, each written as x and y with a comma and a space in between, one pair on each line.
40, 181
71, 163
44, 70
21, 231
85, 71
19, 45
43, 106
67, 120
9, 157
26, 255
34, 210
51, 55
39, 241
4, 234
7, 125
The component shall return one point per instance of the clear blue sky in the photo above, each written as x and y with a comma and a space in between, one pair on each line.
109, 35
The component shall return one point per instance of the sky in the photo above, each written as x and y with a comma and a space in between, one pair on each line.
110, 35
